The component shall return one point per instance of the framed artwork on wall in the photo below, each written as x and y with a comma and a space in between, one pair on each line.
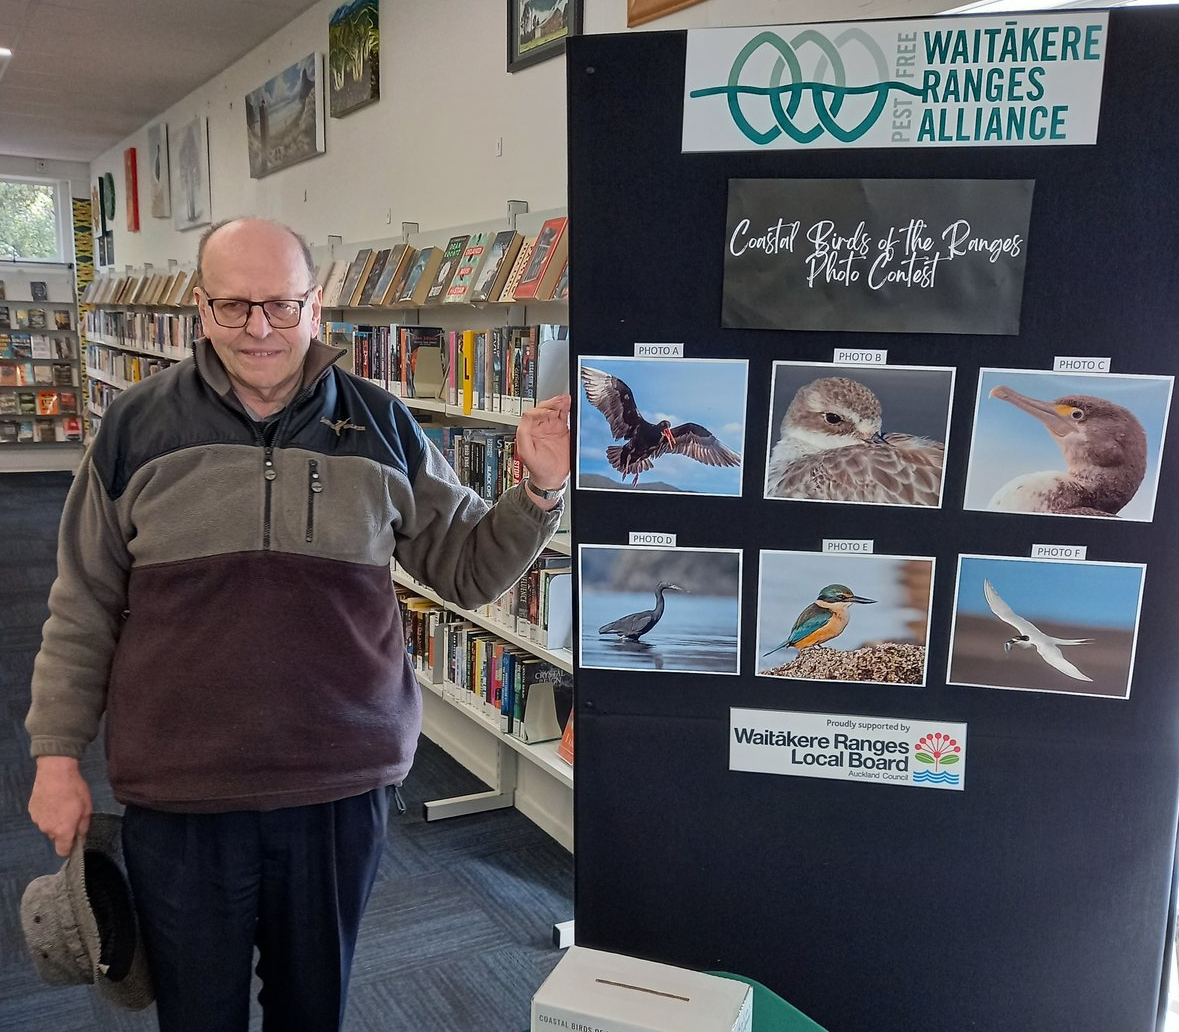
639, 11
284, 118
158, 179
193, 203
131, 187
354, 45
537, 29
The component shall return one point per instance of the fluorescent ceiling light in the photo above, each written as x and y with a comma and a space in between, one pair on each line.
5, 57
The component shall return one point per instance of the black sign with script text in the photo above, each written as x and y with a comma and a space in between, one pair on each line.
876, 255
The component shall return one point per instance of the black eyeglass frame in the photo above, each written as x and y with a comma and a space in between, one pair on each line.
250, 305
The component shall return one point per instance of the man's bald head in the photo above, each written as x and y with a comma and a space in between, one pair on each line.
228, 225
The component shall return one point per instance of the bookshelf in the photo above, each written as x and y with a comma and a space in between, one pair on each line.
531, 777
519, 773
542, 754
40, 372
135, 326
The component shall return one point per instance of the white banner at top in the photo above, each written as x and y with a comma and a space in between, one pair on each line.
1026, 80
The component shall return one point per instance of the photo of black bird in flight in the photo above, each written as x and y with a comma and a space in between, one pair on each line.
643, 441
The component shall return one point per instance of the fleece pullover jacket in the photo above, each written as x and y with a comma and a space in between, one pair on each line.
224, 596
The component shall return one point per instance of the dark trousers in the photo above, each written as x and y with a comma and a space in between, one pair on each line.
293, 882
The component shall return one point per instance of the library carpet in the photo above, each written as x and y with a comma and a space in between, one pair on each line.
458, 934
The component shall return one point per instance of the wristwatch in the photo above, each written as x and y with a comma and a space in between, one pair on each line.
549, 493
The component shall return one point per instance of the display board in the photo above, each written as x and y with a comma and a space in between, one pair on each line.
874, 512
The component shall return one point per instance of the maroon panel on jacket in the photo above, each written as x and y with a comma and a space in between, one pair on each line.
324, 705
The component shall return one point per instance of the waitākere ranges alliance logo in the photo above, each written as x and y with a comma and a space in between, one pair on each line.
1031, 79
820, 94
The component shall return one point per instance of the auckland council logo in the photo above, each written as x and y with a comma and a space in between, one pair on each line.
810, 89
936, 752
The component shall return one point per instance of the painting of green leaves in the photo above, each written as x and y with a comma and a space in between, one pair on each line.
354, 38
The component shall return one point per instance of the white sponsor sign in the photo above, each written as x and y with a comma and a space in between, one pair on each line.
849, 747
1024, 80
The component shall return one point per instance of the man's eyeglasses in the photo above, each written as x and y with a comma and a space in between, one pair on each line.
234, 312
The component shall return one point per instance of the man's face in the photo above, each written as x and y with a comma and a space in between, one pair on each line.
256, 261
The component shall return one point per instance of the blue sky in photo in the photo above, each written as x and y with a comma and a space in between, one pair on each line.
1008, 442
710, 392
1086, 593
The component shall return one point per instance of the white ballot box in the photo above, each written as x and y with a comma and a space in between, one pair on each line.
594, 991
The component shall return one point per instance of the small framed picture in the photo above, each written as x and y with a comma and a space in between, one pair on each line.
1084, 445
1046, 625
537, 29
692, 442
656, 609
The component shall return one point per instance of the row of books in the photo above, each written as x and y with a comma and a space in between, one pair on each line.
39, 403
502, 370
483, 459
98, 396
41, 431
35, 318
167, 333
503, 267
172, 288
538, 607
36, 374
121, 365
37, 346
523, 695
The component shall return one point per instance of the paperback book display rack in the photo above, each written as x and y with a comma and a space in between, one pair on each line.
40, 375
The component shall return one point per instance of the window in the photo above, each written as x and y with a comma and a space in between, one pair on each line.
30, 227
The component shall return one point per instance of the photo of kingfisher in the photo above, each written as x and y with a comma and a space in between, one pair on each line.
1065, 626
1076, 444
665, 425
831, 442
874, 634
823, 619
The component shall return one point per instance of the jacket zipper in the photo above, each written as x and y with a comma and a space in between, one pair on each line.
314, 487
268, 470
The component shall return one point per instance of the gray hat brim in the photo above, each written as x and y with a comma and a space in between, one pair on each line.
80, 925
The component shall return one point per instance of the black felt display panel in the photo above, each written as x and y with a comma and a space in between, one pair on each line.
1039, 897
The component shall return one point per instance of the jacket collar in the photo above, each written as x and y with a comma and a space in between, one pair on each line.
318, 360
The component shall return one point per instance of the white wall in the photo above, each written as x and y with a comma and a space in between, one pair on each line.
426, 151
76, 173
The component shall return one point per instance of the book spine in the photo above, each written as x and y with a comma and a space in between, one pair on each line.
468, 370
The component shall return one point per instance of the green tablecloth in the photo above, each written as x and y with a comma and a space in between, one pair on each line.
770, 1012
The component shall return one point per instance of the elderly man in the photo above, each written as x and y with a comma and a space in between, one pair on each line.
223, 596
